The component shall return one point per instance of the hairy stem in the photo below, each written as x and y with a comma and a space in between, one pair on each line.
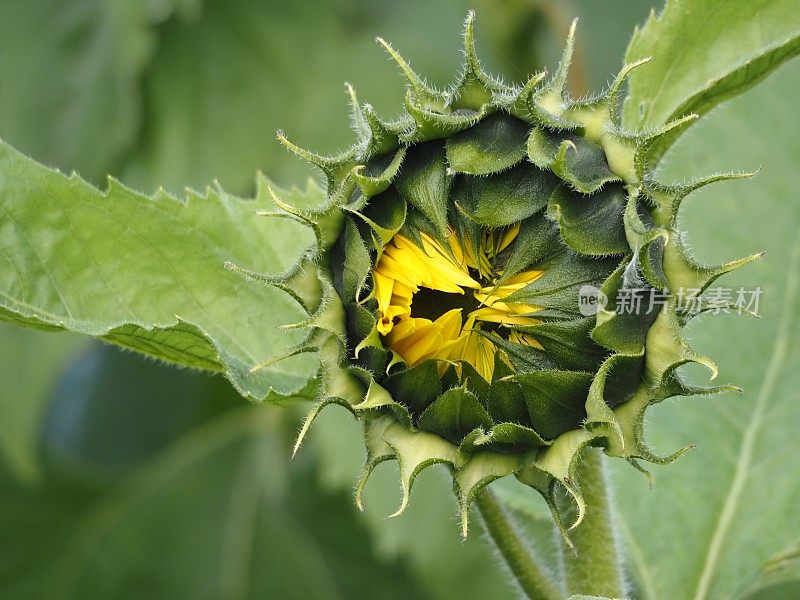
531, 576
595, 567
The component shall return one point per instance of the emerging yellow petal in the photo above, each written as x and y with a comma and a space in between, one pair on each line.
462, 299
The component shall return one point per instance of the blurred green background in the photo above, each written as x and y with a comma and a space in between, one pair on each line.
122, 478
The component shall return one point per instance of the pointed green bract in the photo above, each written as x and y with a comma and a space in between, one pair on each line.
596, 227
424, 183
576, 160
493, 144
454, 414
506, 198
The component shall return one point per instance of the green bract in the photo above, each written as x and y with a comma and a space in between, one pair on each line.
485, 156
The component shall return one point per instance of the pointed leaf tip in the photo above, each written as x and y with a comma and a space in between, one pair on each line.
356, 115
627, 69
560, 76
409, 73
469, 38
671, 126
616, 86
312, 415
423, 94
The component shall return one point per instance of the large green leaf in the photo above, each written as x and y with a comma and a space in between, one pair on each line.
716, 519
704, 52
148, 273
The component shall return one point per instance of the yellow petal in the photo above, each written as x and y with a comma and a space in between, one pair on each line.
450, 323
405, 267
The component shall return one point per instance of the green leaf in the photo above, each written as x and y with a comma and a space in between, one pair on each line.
507, 405
555, 399
575, 159
149, 273
564, 273
619, 328
704, 52
416, 387
454, 414
537, 239
377, 175
505, 437
717, 516
593, 224
505, 198
385, 214
567, 343
351, 253
424, 183
494, 144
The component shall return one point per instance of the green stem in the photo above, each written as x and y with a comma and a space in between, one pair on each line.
594, 568
532, 577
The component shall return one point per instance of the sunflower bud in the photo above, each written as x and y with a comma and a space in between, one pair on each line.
465, 292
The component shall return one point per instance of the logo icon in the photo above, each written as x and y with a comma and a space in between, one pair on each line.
591, 300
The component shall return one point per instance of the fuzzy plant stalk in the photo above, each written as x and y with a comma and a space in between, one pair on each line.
526, 569
594, 564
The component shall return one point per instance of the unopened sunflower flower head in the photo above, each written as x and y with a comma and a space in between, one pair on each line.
495, 282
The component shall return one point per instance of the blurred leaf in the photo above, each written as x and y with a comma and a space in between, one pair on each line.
789, 590
520, 37
195, 89
705, 52
30, 362
217, 513
716, 517
220, 86
779, 578
148, 273
70, 92
112, 411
